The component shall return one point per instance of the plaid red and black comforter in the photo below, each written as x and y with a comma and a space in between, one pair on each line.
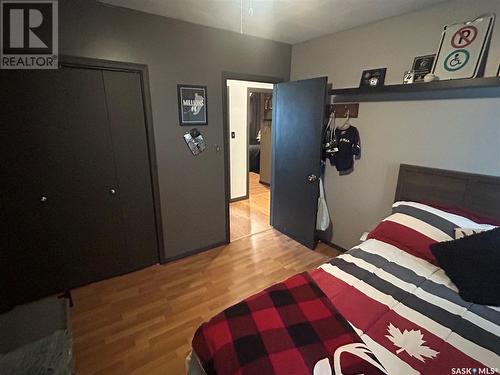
289, 328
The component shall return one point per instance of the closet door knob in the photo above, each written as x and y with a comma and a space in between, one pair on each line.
112, 191
43, 199
312, 178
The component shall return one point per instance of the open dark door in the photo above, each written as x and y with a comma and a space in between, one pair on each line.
299, 114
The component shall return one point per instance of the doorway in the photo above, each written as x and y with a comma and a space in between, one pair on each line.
249, 124
298, 120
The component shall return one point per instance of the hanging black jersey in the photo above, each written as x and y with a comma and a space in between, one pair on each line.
349, 146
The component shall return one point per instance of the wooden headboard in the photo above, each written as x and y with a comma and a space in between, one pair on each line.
473, 192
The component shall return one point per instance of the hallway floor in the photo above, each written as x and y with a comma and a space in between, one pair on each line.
251, 215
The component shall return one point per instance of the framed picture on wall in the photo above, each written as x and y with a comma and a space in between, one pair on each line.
498, 72
192, 105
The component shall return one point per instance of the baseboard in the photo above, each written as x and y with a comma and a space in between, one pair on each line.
238, 199
265, 183
194, 252
334, 246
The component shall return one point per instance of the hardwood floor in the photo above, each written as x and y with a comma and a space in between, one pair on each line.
143, 322
251, 215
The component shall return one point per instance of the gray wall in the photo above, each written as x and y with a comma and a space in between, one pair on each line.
458, 134
192, 188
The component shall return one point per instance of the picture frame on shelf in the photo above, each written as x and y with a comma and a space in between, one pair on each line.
373, 77
409, 77
422, 65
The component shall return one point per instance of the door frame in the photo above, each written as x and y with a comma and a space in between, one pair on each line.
143, 71
257, 90
225, 133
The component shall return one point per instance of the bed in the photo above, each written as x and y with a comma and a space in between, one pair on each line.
383, 307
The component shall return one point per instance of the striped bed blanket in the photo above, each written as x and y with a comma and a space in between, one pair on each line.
409, 314
406, 312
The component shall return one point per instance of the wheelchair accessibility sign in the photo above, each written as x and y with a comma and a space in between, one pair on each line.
463, 49
456, 60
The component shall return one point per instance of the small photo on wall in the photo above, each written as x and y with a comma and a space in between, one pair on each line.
192, 105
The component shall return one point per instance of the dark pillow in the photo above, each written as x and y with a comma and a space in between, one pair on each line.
472, 264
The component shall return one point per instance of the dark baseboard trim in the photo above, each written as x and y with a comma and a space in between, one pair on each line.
264, 183
194, 252
332, 245
238, 199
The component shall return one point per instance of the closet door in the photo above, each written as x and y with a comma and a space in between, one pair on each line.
129, 138
76, 193
32, 266
63, 221
86, 177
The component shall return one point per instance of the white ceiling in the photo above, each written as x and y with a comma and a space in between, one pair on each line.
289, 21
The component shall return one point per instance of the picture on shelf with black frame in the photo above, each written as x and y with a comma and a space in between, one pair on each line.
373, 78
192, 101
422, 65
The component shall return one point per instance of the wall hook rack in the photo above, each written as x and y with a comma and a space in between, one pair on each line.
350, 110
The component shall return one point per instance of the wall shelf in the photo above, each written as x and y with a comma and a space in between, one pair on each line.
459, 88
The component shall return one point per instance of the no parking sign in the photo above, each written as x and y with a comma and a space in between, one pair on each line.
463, 48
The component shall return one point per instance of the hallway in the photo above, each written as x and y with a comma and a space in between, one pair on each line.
251, 215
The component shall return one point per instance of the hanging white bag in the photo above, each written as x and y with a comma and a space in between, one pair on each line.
322, 217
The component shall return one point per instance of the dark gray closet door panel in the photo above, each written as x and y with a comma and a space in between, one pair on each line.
60, 202
31, 267
299, 112
128, 129
87, 179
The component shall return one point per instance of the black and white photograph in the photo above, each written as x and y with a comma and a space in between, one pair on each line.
373, 77
422, 65
192, 105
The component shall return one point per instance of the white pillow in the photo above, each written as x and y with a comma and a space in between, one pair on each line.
442, 221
